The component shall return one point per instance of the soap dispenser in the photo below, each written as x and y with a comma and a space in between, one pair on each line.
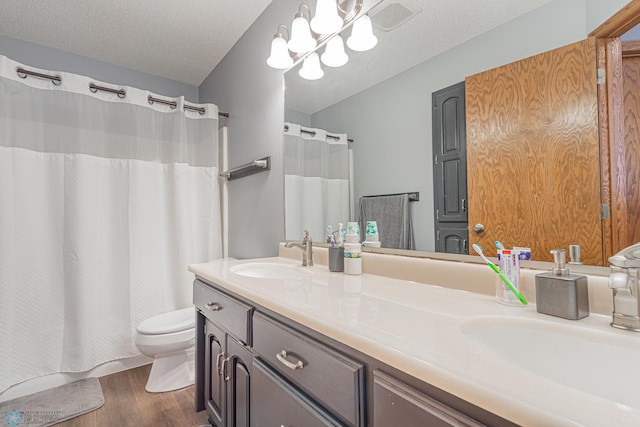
561, 294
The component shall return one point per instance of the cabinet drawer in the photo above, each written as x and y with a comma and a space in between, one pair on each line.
226, 311
276, 403
399, 405
332, 379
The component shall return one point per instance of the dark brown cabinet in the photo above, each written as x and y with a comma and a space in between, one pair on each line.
331, 378
256, 368
223, 365
276, 403
400, 405
237, 372
214, 385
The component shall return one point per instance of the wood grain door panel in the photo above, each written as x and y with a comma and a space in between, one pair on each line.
629, 171
533, 153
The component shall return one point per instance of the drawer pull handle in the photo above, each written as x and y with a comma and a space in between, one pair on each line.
225, 374
282, 357
218, 367
213, 306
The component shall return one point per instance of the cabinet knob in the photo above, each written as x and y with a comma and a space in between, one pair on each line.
213, 306
282, 358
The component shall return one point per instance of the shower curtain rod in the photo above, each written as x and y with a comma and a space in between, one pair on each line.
313, 133
56, 80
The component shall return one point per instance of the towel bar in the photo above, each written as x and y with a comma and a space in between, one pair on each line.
247, 169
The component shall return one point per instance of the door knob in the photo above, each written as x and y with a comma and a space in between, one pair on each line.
478, 228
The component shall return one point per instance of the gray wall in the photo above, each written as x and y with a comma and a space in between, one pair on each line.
252, 93
47, 58
293, 116
599, 11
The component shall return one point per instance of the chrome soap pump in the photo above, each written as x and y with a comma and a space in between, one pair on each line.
561, 294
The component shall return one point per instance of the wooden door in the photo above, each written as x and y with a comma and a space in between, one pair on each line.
629, 170
533, 153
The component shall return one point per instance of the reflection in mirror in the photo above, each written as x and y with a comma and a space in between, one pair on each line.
316, 181
384, 101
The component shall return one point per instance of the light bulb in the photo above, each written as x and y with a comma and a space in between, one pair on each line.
362, 37
334, 54
279, 57
311, 68
327, 20
301, 39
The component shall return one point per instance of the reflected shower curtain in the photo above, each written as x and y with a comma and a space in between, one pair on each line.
316, 181
103, 203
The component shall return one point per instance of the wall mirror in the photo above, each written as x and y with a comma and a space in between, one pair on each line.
382, 99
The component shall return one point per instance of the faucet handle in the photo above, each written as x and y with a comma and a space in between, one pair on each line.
307, 236
618, 280
627, 258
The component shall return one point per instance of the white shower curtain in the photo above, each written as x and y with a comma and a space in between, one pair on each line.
316, 181
103, 203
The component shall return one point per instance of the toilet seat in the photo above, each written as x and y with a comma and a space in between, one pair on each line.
174, 321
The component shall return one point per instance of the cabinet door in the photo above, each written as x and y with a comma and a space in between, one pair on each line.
238, 380
452, 238
214, 384
396, 404
276, 403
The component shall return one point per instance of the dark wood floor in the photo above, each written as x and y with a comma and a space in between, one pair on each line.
126, 403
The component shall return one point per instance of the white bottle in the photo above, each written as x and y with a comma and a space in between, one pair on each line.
352, 258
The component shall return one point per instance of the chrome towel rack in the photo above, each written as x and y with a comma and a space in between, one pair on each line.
247, 169
413, 196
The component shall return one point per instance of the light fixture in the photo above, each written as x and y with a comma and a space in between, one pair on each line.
334, 54
301, 39
327, 20
279, 57
311, 67
362, 37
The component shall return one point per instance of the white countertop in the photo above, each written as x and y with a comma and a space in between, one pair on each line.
416, 328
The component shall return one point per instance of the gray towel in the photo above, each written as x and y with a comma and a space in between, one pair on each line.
393, 218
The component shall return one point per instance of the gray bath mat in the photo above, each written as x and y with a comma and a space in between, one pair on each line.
52, 406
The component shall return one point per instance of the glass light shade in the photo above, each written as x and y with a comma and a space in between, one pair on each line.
334, 54
301, 39
362, 37
311, 68
327, 20
279, 57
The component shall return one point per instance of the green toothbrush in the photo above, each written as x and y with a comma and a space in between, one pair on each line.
506, 281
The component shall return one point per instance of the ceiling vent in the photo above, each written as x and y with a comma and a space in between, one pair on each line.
393, 14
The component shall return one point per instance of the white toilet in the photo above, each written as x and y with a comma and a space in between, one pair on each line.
169, 339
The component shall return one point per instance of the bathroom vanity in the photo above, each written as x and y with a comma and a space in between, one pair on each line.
284, 345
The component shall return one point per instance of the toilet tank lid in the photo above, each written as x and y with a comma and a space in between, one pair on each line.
173, 321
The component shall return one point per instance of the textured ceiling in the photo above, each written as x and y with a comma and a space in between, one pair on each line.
439, 26
179, 40
185, 40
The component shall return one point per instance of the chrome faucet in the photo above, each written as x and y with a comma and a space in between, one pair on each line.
625, 270
307, 249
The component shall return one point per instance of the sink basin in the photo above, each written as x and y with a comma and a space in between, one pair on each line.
596, 362
270, 270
